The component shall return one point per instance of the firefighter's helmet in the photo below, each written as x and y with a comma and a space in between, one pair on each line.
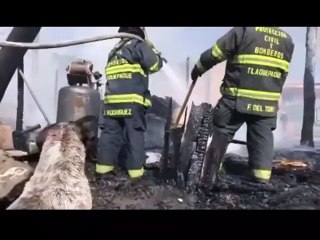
139, 31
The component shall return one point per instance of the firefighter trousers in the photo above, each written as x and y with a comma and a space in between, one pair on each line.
116, 131
260, 142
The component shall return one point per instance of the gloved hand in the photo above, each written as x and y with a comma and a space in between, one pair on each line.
195, 73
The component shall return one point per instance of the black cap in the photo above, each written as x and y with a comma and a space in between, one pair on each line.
132, 30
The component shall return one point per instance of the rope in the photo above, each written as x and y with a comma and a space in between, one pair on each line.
67, 43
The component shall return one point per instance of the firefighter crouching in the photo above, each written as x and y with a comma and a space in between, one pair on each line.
126, 100
258, 61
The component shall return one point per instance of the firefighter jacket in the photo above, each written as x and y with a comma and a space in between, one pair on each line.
258, 61
127, 72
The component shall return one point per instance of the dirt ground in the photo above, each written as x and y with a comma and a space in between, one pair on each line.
290, 190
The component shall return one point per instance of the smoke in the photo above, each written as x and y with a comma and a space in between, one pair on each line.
178, 89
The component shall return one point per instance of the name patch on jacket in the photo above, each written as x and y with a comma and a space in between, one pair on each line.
120, 75
118, 112
260, 108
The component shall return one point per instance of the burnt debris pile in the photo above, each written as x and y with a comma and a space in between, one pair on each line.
295, 183
295, 188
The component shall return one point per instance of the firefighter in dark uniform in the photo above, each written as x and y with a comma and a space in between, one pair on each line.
126, 100
258, 61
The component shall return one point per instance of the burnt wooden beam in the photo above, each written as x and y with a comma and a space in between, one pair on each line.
199, 129
11, 58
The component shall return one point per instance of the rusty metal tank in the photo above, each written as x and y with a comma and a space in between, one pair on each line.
76, 102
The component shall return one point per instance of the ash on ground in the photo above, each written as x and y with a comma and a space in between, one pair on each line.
288, 190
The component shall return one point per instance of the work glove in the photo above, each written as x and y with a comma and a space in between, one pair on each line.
195, 73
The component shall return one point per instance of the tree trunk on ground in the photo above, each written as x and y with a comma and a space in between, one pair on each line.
308, 87
10, 57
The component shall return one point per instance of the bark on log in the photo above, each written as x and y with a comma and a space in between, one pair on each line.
10, 58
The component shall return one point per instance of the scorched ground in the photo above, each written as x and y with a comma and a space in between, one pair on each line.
289, 189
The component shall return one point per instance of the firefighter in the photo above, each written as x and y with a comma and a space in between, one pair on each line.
126, 100
258, 61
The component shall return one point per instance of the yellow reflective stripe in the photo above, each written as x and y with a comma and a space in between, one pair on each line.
200, 67
216, 52
136, 173
263, 61
127, 98
254, 94
262, 174
133, 68
104, 168
155, 67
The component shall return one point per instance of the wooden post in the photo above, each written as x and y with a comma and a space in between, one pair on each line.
308, 89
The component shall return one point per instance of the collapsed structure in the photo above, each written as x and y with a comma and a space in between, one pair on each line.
181, 151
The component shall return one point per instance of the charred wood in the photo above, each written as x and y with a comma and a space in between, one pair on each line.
202, 118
